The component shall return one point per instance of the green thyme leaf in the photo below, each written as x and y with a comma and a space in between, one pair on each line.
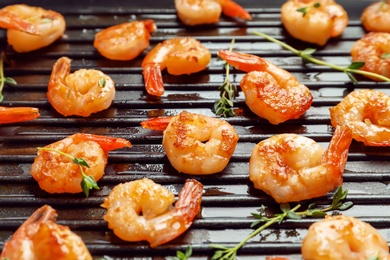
10, 81
385, 55
356, 65
88, 183
102, 82
316, 5
308, 51
80, 161
302, 10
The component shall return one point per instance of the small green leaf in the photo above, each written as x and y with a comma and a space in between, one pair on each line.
47, 20
315, 213
385, 55
102, 82
180, 255
346, 205
10, 81
80, 161
302, 10
308, 51
351, 77
312, 205
217, 255
316, 5
88, 183
293, 215
285, 207
188, 251
356, 65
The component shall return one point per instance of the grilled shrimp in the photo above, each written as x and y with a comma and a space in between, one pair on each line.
367, 114
314, 21
17, 114
344, 237
195, 12
124, 41
31, 28
270, 92
376, 17
39, 237
80, 93
183, 55
159, 222
292, 168
56, 173
374, 50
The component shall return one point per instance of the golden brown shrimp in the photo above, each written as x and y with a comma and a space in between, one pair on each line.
43, 27
344, 237
124, 41
270, 92
367, 114
374, 50
183, 55
376, 17
17, 114
195, 12
80, 93
56, 173
159, 222
314, 21
39, 237
198, 144
292, 168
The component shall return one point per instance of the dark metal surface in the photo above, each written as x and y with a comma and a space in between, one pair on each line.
229, 196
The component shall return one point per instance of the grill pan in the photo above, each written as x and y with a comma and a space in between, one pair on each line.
229, 197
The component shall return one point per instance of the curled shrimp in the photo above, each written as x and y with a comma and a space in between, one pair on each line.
80, 93
17, 114
56, 173
344, 237
376, 17
42, 29
270, 92
367, 114
159, 222
314, 21
195, 12
40, 237
199, 144
183, 55
374, 50
292, 168
124, 41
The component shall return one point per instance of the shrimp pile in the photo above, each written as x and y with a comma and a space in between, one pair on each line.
124, 41
159, 222
199, 144
195, 12
374, 50
17, 114
344, 237
56, 173
367, 114
31, 28
183, 55
292, 168
80, 93
270, 92
314, 21
376, 17
39, 237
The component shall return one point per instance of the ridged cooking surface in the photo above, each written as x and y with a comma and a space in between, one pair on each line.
229, 197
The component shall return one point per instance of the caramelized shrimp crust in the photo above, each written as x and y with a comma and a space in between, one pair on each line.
367, 114
292, 168
314, 21
198, 144
17, 114
39, 237
344, 237
376, 17
159, 222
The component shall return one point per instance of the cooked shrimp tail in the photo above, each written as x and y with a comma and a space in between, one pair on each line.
105, 142
154, 84
17, 114
10, 21
243, 61
232, 9
160, 123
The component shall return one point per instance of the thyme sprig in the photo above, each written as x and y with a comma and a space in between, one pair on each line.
182, 255
303, 10
230, 253
4, 80
88, 182
306, 55
224, 106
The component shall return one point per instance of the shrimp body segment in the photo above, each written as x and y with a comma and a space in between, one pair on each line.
314, 21
373, 49
196, 12
39, 237
270, 92
292, 168
376, 17
44, 27
198, 144
80, 93
56, 173
367, 114
159, 222
124, 41
17, 114
183, 55
344, 237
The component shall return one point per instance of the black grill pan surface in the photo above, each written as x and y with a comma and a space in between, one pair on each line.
229, 197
